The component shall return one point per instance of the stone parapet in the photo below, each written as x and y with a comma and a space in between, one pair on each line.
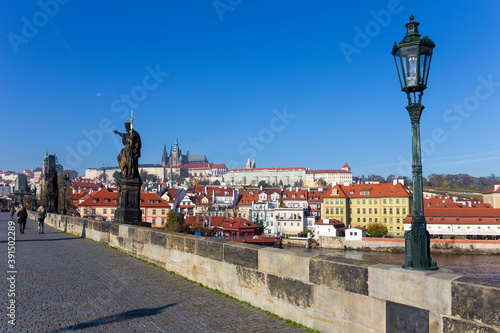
319, 291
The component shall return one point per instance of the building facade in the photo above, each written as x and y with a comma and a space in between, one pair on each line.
361, 205
281, 176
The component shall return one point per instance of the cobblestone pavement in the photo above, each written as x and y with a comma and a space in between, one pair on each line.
65, 283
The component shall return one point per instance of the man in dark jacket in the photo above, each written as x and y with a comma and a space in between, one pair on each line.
22, 215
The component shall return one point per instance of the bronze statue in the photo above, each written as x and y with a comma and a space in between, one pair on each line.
128, 159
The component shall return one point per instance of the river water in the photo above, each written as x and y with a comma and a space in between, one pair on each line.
479, 266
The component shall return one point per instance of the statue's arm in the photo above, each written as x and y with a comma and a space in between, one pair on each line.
120, 134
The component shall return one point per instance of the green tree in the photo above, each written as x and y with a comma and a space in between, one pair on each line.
263, 184
281, 203
175, 222
376, 230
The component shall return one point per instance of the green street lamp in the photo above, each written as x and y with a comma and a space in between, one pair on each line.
413, 59
33, 201
64, 184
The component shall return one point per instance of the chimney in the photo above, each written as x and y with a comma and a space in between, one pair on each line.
496, 187
296, 189
394, 182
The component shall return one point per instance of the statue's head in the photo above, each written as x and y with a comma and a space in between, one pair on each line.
127, 126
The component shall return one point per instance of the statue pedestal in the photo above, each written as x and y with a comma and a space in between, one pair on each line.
51, 203
129, 195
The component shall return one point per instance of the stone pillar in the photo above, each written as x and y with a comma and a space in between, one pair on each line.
129, 196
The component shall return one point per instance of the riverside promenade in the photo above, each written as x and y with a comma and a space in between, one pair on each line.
65, 283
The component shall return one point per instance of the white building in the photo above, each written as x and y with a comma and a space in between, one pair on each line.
329, 228
290, 221
282, 176
342, 176
355, 233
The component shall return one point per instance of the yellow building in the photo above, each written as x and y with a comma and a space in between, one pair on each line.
492, 196
360, 205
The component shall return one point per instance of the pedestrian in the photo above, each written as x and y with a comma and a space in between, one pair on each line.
22, 215
12, 211
41, 219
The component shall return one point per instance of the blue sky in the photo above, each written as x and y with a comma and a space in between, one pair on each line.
289, 83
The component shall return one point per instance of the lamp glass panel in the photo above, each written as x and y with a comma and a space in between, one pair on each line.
409, 57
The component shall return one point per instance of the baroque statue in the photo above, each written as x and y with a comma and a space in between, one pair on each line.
128, 159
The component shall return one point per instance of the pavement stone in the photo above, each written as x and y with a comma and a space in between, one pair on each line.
65, 283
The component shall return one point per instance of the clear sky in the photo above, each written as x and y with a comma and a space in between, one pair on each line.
289, 83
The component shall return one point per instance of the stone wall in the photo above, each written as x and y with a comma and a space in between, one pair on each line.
321, 292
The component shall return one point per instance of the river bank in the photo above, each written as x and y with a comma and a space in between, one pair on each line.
478, 266
397, 245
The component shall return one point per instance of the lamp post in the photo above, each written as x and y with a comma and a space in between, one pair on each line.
413, 58
33, 201
64, 184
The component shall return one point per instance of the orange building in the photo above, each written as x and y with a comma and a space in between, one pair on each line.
103, 203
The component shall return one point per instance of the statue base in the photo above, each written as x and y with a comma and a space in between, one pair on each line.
51, 203
129, 198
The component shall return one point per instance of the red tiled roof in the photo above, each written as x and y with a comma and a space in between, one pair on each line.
492, 190
465, 215
376, 191
327, 171
106, 198
219, 166
292, 194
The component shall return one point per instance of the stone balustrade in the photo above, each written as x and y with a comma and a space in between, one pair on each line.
319, 291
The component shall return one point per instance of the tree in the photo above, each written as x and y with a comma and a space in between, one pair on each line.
321, 182
262, 183
281, 203
376, 230
175, 222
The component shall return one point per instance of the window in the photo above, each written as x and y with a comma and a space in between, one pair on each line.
385, 211
336, 210
397, 221
397, 211
341, 210
359, 220
376, 219
337, 201
390, 220
403, 200
375, 201
364, 210
370, 219
163, 212
364, 219
112, 211
404, 210
375, 210
390, 201
162, 221
104, 211
385, 219
154, 211
284, 223
359, 210
358, 201
370, 201
390, 210
369, 210
390, 228
364, 201
397, 200
385, 201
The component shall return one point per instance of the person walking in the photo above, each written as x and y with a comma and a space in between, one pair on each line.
12, 211
41, 219
22, 215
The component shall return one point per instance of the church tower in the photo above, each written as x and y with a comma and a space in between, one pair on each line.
164, 157
176, 154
